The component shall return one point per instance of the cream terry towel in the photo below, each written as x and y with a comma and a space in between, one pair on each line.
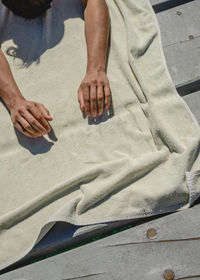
141, 159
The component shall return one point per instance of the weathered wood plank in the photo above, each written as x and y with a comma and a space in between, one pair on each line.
64, 235
129, 254
193, 101
162, 5
178, 23
180, 40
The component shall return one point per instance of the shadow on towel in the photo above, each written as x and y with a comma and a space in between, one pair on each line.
37, 145
36, 38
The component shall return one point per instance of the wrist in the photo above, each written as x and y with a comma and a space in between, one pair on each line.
96, 68
12, 99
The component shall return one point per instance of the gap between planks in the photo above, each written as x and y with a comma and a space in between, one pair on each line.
169, 4
152, 241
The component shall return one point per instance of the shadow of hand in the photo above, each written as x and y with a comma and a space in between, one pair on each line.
38, 145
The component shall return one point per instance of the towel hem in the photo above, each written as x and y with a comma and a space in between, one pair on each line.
192, 179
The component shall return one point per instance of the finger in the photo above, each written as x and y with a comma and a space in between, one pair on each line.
34, 123
22, 130
86, 98
100, 99
45, 112
81, 100
36, 112
107, 96
27, 127
93, 100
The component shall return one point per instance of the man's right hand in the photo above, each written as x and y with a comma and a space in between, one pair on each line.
31, 118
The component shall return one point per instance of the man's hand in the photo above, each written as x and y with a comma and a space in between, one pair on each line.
94, 93
30, 118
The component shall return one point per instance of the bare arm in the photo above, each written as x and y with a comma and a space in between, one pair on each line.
9, 91
94, 91
29, 117
96, 33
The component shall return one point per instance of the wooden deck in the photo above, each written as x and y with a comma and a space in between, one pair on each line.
160, 247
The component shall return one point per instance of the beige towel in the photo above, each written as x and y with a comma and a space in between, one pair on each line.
141, 159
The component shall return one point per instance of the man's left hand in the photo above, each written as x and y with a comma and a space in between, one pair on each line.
94, 93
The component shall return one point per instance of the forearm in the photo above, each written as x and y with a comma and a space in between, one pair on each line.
9, 91
96, 32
